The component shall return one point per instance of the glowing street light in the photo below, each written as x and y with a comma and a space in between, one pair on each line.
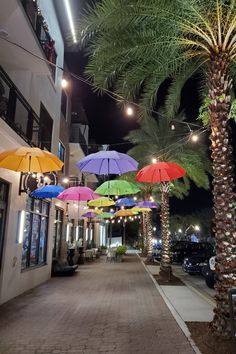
197, 228
194, 138
180, 230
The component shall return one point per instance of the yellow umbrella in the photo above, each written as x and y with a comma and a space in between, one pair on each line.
97, 211
140, 210
125, 212
101, 202
28, 159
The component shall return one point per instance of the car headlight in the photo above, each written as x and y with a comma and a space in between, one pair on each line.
202, 264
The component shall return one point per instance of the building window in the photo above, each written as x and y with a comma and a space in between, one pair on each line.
34, 247
46, 125
64, 104
57, 234
61, 153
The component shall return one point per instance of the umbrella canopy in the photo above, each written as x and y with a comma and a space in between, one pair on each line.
160, 172
105, 216
49, 191
117, 187
125, 212
147, 204
28, 159
125, 202
101, 202
97, 211
140, 210
77, 193
89, 214
107, 162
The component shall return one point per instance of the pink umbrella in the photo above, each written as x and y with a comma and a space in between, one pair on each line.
78, 193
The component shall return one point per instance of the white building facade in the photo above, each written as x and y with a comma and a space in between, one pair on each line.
30, 114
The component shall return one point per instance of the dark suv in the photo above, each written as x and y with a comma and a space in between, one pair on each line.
184, 249
195, 264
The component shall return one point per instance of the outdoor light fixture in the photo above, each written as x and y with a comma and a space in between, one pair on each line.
21, 226
180, 230
67, 232
116, 197
65, 180
196, 228
135, 198
64, 83
172, 126
70, 18
77, 233
154, 160
154, 228
118, 221
129, 111
111, 210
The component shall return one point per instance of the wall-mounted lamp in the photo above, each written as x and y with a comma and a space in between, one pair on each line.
21, 226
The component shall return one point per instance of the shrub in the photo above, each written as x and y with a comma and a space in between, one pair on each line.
121, 250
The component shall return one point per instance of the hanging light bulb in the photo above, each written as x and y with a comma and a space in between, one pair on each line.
129, 111
194, 138
154, 160
172, 126
64, 83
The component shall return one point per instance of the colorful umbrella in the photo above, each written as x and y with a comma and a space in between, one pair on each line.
107, 162
160, 172
97, 211
125, 212
117, 187
77, 193
101, 202
49, 191
89, 214
140, 210
147, 204
28, 159
105, 216
125, 202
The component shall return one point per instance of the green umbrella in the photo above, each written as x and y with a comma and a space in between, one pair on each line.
117, 187
105, 216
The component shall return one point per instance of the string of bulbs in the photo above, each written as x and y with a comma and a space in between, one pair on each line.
118, 98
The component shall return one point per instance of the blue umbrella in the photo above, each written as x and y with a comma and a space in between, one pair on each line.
49, 191
125, 202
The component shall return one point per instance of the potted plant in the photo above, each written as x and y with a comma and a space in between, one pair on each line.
103, 249
120, 251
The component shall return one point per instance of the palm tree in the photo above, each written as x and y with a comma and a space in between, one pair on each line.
154, 139
135, 45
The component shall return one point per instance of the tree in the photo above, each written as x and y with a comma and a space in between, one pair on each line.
154, 139
135, 45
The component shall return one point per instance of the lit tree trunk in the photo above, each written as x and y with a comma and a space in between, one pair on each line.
165, 230
219, 86
149, 234
144, 232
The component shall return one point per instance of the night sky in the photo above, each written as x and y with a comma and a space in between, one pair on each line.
108, 124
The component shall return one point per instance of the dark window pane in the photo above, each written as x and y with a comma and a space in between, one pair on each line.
26, 240
34, 240
43, 240
37, 205
45, 208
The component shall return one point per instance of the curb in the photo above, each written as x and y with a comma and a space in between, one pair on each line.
173, 311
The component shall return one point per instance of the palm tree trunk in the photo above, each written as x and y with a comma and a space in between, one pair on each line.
144, 232
219, 86
149, 234
165, 233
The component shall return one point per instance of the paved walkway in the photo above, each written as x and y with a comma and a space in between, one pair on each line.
105, 308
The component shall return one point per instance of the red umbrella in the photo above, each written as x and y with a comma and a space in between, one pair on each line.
160, 172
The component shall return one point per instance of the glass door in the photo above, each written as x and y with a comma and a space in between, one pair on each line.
4, 188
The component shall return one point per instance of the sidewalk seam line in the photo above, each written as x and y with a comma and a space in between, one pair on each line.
173, 311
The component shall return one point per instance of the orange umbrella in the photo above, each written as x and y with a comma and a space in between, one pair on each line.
28, 159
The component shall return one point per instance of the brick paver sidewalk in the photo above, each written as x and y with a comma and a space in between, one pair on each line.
106, 308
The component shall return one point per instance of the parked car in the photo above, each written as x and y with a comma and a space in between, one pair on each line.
196, 264
185, 249
210, 274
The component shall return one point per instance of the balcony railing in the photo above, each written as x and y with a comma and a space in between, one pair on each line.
19, 115
40, 28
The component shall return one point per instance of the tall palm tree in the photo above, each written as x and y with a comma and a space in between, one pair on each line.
135, 45
154, 139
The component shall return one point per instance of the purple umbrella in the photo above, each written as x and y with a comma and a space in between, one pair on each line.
89, 214
125, 202
147, 204
107, 162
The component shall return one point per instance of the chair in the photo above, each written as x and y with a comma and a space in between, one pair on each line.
111, 255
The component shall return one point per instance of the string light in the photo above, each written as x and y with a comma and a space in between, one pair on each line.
129, 111
64, 83
194, 138
154, 160
65, 180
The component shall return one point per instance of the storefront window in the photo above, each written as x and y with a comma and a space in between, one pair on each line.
35, 233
